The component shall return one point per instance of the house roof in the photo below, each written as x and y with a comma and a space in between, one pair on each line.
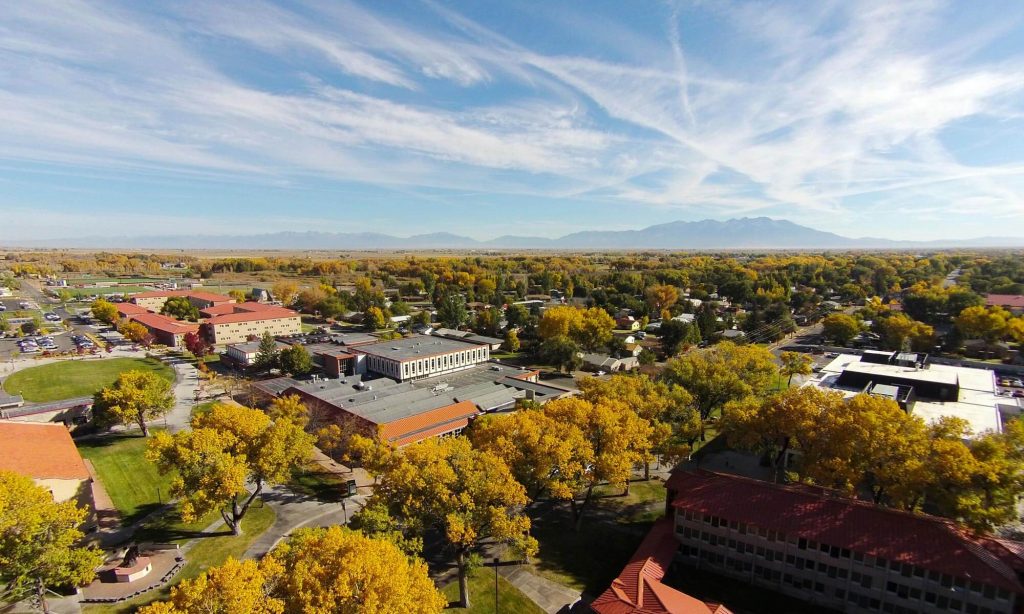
435, 421
199, 294
127, 309
41, 451
1005, 300
270, 313
827, 517
415, 347
225, 308
638, 589
164, 323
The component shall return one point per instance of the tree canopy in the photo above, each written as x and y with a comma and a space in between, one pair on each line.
722, 373
228, 448
136, 397
180, 307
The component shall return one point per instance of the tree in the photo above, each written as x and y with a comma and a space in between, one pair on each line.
296, 360
289, 407
989, 324
333, 569
562, 352
675, 422
137, 397
374, 318
39, 541
197, 345
285, 291
517, 315
559, 321
468, 496
267, 354
104, 311
794, 363
547, 456
488, 321
332, 306
840, 328
723, 373
594, 329
238, 295
661, 297
618, 439
451, 312
227, 448
673, 334
181, 308
133, 331
900, 332
512, 341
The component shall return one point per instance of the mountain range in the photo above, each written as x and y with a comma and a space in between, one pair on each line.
742, 233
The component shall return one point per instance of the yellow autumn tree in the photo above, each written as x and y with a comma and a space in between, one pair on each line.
316, 570
228, 448
468, 496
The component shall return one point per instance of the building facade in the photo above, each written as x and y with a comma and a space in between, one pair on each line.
244, 323
842, 554
421, 356
154, 301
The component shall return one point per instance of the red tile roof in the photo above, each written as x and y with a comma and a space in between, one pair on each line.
226, 308
164, 323
826, 517
428, 424
130, 309
1005, 300
199, 294
270, 313
638, 589
40, 451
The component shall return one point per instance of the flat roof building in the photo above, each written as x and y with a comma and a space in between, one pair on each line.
241, 321
928, 390
419, 356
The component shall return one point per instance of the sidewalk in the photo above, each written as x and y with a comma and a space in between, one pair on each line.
549, 596
298, 511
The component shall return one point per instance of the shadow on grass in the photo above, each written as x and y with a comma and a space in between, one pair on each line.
171, 528
320, 485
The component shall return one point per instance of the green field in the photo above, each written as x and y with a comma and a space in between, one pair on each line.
106, 290
131, 481
481, 595
77, 378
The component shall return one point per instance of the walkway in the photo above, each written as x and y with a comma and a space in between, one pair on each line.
297, 511
549, 596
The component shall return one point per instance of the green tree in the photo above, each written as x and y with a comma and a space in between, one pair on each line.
296, 360
137, 397
722, 373
229, 447
40, 542
468, 496
452, 311
181, 308
561, 352
267, 354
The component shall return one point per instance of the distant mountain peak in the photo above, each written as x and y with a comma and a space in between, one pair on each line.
745, 233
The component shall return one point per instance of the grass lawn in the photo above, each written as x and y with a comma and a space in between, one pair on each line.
131, 481
207, 552
321, 485
77, 378
481, 595
203, 408
613, 525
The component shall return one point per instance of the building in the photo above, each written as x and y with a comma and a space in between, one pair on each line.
851, 556
609, 364
1010, 302
239, 322
462, 335
419, 356
165, 329
412, 410
154, 301
922, 388
69, 412
244, 354
46, 453
639, 588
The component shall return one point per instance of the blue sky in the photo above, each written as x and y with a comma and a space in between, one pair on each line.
890, 119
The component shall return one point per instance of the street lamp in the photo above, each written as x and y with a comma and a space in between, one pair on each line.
496, 585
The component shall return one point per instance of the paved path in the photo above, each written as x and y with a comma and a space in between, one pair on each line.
549, 596
185, 384
297, 511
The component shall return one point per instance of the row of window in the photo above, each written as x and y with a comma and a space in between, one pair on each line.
443, 362
906, 570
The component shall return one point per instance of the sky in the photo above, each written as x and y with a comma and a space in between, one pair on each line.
886, 119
